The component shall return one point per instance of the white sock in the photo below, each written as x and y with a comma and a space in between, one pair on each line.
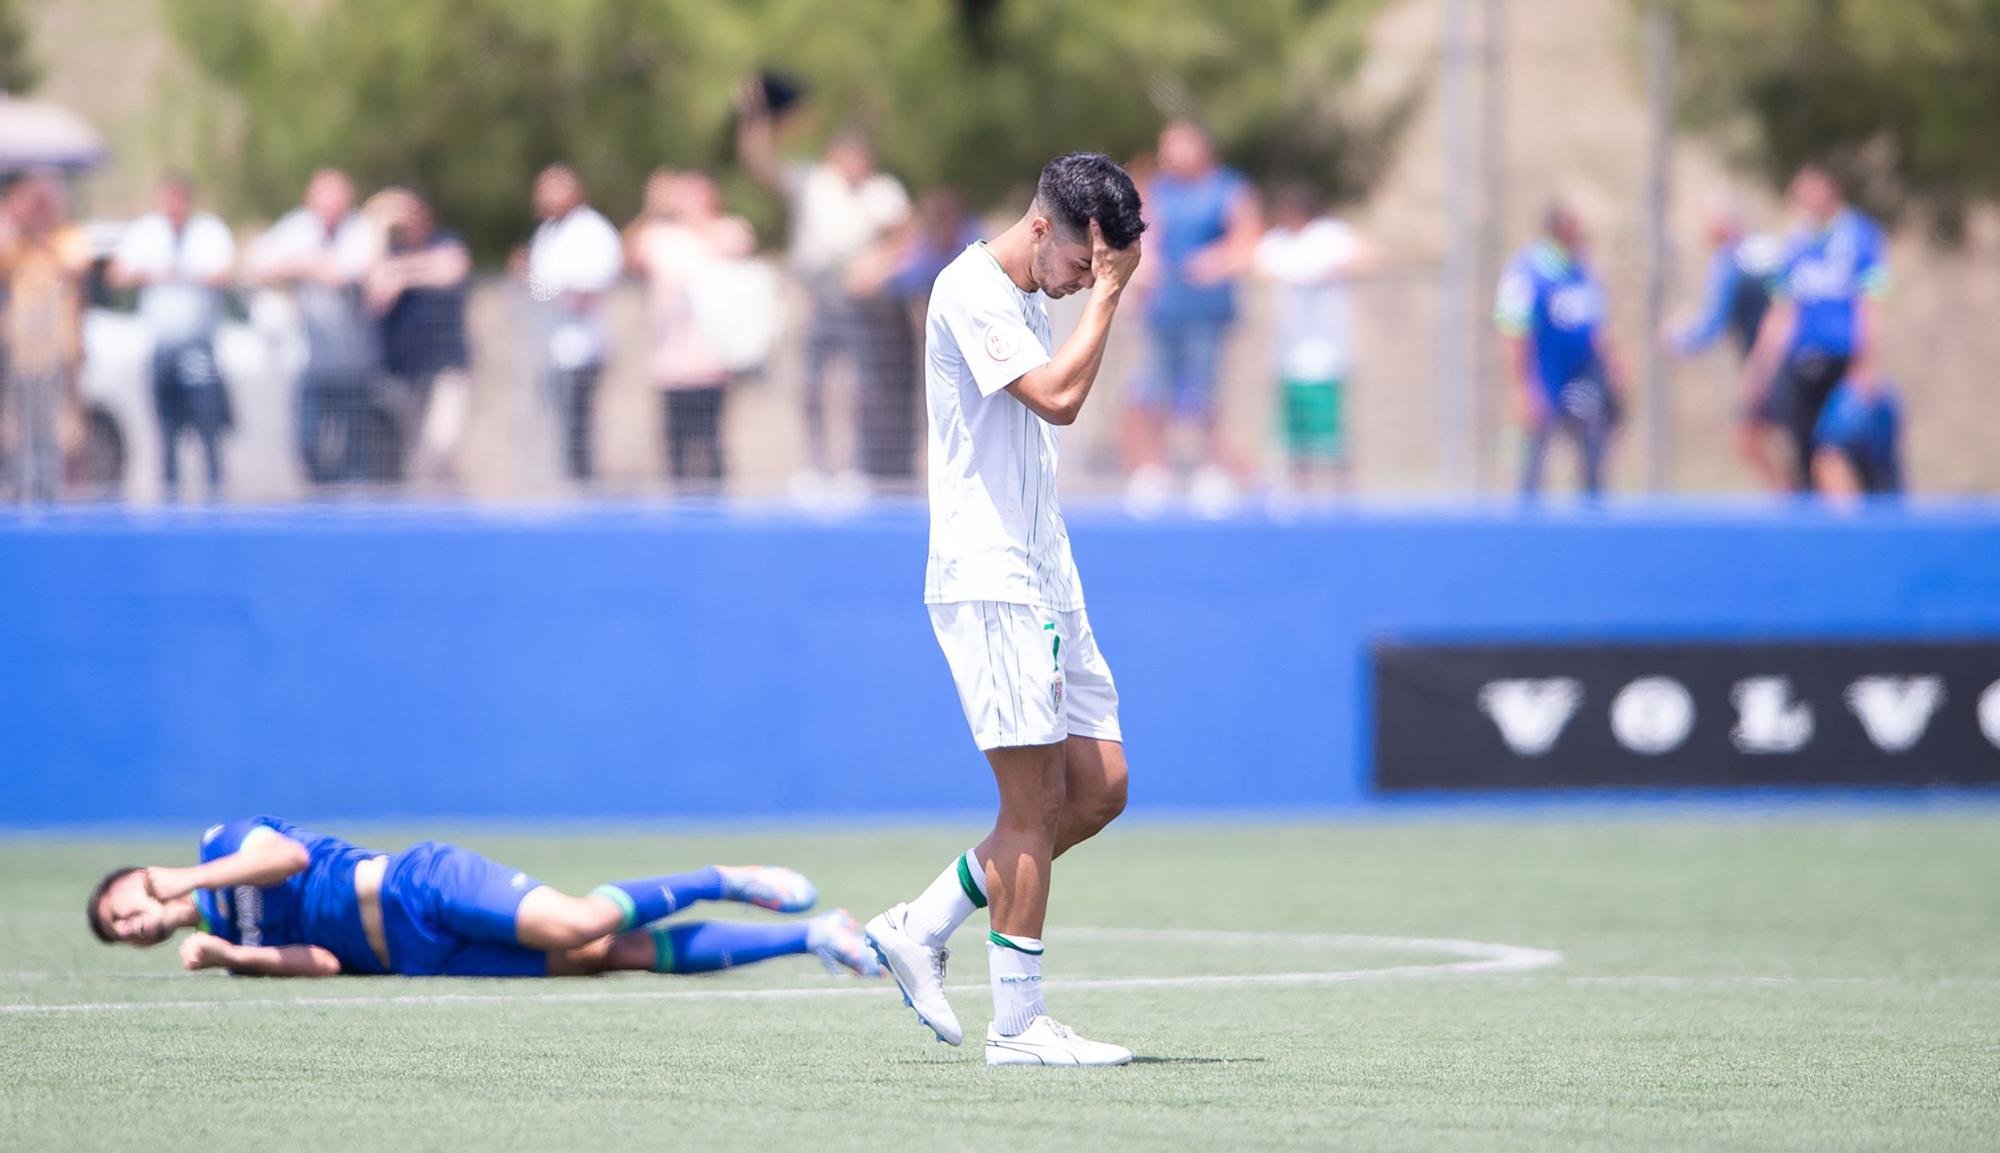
936, 914
1014, 964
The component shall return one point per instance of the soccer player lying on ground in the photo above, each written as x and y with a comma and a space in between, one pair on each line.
1005, 600
271, 899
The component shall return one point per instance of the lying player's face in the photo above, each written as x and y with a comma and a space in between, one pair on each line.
1062, 266
132, 914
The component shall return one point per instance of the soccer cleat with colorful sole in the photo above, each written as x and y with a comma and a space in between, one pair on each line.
768, 887
835, 938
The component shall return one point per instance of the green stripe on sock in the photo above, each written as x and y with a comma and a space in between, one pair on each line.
663, 951
1014, 945
620, 898
970, 886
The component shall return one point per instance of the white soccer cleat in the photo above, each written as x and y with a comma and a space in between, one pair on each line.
918, 970
835, 938
768, 887
1047, 1041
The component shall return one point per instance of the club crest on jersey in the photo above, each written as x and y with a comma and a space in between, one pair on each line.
1002, 343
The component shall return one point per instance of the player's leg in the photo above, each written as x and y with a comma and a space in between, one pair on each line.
1534, 455
1094, 783
1004, 661
1834, 475
550, 919
1593, 441
704, 947
1094, 789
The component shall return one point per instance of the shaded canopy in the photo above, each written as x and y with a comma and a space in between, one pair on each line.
36, 134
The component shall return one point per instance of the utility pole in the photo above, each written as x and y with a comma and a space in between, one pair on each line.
1661, 88
1454, 323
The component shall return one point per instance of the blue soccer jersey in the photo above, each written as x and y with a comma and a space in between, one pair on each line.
314, 907
1556, 303
1825, 275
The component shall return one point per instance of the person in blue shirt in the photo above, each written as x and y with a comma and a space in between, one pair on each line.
1551, 313
1207, 222
272, 899
1735, 297
1820, 330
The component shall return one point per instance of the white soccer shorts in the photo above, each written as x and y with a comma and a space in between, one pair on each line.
1026, 676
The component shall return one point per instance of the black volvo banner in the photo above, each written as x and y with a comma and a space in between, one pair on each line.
1538, 716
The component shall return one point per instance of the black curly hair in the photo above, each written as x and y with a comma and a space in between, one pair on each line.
1079, 187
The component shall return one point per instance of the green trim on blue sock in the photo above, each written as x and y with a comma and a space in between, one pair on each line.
620, 898
1005, 943
663, 950
970, 886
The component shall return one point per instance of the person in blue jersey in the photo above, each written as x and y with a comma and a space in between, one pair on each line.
1857, 443
1735, 297
1207, 221
1821, 328
1551, 314
269, 898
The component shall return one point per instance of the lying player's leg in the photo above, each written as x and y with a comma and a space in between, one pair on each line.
549, 919
706, 946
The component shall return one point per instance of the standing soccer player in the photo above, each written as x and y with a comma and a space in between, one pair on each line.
1004, 596
1820, 330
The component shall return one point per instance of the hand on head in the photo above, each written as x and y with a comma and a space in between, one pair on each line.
1112, 267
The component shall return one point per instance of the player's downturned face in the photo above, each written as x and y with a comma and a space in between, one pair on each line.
131, 913
1062, 266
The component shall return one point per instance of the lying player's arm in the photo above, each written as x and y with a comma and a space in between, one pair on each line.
1056, 391
266, 857
207, 951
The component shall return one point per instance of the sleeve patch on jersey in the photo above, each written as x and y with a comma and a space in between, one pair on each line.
1002, 343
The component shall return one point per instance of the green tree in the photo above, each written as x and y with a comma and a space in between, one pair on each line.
18, 71
1902, 98
468, 97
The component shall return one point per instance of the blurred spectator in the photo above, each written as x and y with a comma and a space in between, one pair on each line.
1858, 450
844, 215
418, 290
1821, 327
43, 260
1551, 313
180, 260
574, 259
942, 229
1205, 224
1736, 296
677, 244
1312, 257
319, 252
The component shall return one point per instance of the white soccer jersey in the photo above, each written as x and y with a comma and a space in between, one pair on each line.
997, 531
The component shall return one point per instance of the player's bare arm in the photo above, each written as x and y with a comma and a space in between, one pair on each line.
267, 857
1056, 391
208, 951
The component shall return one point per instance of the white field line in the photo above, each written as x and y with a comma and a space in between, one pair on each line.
1477, 958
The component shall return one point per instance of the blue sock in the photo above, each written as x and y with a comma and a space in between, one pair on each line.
652, 898
705, 946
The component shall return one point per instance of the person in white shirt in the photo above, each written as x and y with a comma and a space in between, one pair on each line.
681, 244
1312, 258
179, 260
320, 252
1004, 596
574, 259
848, 221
